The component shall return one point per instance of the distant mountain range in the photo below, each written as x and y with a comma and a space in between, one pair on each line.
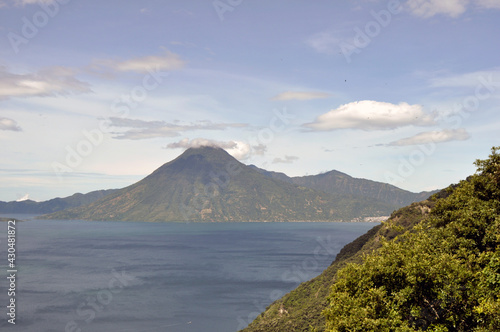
335, 182
207, 184
53, 205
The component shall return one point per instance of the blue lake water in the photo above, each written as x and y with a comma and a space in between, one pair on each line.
179, 277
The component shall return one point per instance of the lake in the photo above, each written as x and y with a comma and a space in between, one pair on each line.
179, 277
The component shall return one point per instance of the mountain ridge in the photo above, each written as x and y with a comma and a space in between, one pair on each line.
54, 204
207, 184
332, 182
336, 182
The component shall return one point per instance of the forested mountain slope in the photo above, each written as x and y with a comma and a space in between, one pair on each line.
433, 266
335, 182
208, 184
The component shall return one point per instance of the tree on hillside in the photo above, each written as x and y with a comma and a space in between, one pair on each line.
443, 275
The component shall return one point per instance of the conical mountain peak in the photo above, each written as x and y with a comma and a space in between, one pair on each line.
199, 160
209, 153
208, 184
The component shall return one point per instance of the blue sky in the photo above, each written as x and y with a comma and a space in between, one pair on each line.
98, 94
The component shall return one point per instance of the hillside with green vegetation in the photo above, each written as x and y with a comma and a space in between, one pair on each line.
341, 183
207, 184
338, 183
433, 266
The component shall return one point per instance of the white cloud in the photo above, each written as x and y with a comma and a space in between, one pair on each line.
47, 82
24, 198
441, 136
9, 124
239, 150
300, 95
186, 143
25, 2
452, 8
140, 129
429, 8
372, 115
286, 160
167, 61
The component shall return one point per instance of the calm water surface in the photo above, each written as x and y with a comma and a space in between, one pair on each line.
137, 276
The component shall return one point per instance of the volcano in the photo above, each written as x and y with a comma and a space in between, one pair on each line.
208, 184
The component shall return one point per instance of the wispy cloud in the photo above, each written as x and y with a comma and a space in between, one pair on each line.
25, 2
285, 160
239, 150
325, 42
46, 82
429, 8
489, 78
259, 149
452, 8
371, 115
145, 64
185, 44
140, 129
186, 143
437, 136
9, 124
301, 95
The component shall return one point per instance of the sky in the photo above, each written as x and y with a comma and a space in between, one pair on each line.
98, 94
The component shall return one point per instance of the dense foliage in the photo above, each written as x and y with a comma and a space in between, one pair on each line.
301, 309
442, 275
